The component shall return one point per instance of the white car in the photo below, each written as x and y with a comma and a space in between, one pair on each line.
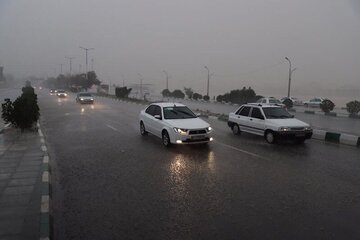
272, 122
314, 102
61, 93
174, 123
85, 97
271, 100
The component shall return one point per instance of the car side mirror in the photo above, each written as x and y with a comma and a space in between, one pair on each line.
292, 116
157, 117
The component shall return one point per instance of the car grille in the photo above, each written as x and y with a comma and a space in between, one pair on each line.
201, 131
297, 129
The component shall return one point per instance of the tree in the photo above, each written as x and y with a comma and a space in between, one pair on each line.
196, 96
166, 93
353, 107
178, 94
24, 111
122, 92
327, 105
206, 98
238, 96
189, 92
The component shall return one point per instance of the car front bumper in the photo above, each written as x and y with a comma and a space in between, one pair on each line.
191, 139
86, 101
294, 134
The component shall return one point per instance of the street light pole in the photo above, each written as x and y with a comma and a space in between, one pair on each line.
141, 82
167, 79
86, 58
208, 80
290, 73
70, 63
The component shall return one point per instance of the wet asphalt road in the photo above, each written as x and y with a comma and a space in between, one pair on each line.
111, 183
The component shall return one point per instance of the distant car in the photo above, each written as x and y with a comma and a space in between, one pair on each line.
174, 123
61, 93
295, 101
271, 121
52, 91
84, 97
271, 101
314, 102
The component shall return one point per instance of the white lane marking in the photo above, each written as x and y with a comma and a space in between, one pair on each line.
46, 159
113, 128
43, 148
44, 204
45, 176
241, 150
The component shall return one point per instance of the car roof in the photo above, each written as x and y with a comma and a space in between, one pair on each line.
261, 105
168, 104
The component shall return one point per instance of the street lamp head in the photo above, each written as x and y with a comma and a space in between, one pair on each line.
287, 58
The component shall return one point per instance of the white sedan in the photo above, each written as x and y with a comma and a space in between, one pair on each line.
174, 123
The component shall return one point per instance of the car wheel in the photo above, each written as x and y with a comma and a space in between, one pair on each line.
166, 139
270, 137
143, 132
236, 129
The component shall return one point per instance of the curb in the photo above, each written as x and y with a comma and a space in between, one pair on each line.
45, 214
339, 138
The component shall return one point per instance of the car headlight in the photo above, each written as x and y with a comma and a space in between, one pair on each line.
307, 129
284, 129
209, 129
81, 99
65, 94
181, 131
91, 99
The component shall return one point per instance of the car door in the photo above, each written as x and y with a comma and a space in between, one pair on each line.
256, 121
148, 118
157, 123
243, 119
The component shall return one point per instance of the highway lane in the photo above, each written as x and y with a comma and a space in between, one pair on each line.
111, 183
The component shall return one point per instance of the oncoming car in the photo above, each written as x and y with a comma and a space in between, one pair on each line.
272, 122
174, 123
270, 100
61, 93
84, 97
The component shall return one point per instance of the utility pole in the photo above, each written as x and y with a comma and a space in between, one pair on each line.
80, 68
208, 80
291, 70
61, 68
92, 64
70, 63
86, 58
167, 79
123, 80
141, 83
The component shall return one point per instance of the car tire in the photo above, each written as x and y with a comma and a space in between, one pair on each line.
236, 129
143, 131
166, 139
270, 137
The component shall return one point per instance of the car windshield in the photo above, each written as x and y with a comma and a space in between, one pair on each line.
85, 95
275, 112
178, 113
61, 91
274, 101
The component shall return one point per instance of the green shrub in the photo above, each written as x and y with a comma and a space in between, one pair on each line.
24, 111
353, 107
206, 98
288, 103
327, 106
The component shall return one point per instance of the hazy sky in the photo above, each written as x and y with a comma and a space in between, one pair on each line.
243, 42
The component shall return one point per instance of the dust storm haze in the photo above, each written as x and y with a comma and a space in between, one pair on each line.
243, 42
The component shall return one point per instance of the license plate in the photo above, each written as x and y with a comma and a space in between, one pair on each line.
300, 134
198, 137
